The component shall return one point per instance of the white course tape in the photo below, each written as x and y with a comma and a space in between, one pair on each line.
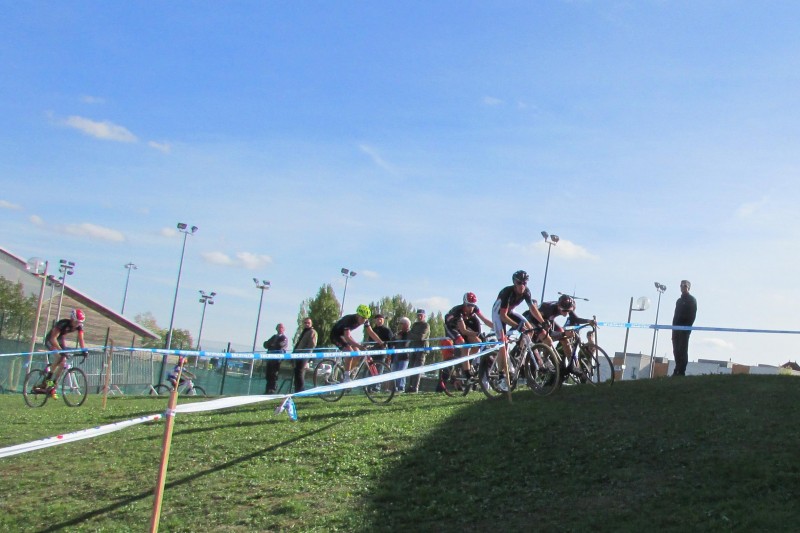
235, 401
76, 436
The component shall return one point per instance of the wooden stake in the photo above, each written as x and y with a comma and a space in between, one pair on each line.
165, 446
107, 381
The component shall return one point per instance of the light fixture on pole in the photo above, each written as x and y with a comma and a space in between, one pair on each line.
642, 304
205, 299
660, 288
129, 266
347, 273
66, 268
550, 240
262, 285
168, 344
39, 268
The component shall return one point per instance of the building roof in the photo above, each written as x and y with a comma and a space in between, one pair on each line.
103, 325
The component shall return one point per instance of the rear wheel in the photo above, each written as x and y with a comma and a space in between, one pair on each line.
378, 392
329, 372
452, 381
74, 387
543, 379
597, 364
162, 389
34, 398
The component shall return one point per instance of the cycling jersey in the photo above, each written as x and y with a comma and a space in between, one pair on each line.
509, 298
457, 313
63, 326
346, 323
550, 310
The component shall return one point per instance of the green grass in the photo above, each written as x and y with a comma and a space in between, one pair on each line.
712, 453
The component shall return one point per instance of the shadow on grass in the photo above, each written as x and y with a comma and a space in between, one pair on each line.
187, 479
701, 453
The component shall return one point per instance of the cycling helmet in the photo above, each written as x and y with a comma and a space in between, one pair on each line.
520, 276
78, 315
566, 303
470, 298
363, 311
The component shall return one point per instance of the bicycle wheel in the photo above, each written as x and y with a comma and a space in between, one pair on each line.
196, 391
543, 380
33, 398
489, 376
162, 389
452, 381
378, 392
329, 372
601, 369
74, 387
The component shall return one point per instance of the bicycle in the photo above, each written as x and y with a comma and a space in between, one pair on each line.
331, 372
594, 366
453, 381
185, 388
74, 385
525, 354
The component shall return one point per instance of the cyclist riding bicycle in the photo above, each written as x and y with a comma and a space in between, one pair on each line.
464, 322
503, 315
341, 338
564, 307
54, 340
172, 377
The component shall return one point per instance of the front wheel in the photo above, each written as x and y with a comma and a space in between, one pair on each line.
329, 372
599, 367
490, 376
378, 392
74, 387
543, 379
38, 397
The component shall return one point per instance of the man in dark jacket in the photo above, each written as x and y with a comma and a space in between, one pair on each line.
382, 331
685, 313
278, 343
306, 342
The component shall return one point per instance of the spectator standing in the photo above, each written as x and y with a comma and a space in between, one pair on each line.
383, 332
400, 360
685, 313
278, 343
305, 343
420, 331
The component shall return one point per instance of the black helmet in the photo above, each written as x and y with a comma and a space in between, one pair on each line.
520, 276
566, 303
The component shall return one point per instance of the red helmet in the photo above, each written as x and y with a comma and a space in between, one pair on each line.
470, 298
78, 315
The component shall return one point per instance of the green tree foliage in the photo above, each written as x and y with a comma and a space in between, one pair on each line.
17, 311
393, 308
181, 338
323, 310
437, 325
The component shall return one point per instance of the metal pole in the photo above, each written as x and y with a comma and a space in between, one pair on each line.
546, 266
202, 319
129, 266
175, 299
61, 297
627, 331
655, 332
258, 321
50, 302
344, 295
36, 322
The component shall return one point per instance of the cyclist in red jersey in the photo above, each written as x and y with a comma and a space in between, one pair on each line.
464, 322
54, 340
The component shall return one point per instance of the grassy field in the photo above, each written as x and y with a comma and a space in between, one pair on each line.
711, 453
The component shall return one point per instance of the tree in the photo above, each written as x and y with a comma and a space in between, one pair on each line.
181, 338
393, 308
17, 311
323, 310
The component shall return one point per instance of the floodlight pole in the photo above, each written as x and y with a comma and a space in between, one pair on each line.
660, 288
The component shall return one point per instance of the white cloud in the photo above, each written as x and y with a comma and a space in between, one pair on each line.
246, 260
433, 304
8, 205
161, 147
168, 232
376, 158
370, 274
749, 209
94, 232
101, 130
717, 343
565, 249
492, 101
36, 220
87, 99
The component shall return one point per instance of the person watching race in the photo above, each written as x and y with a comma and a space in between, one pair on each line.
563, 307
340, 335
503, 315
54, 340
464, 322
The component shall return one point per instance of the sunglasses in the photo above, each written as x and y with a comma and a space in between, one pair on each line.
521, 283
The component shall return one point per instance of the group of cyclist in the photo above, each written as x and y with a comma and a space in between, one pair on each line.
463, 323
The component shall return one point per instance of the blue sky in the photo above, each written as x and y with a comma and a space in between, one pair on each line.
424, 145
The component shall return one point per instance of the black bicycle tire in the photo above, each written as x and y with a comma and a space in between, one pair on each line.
34, 399
198, 391
319, 381
543, 383
386, 389
162, 389
599, 364
487, 378
71, 398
